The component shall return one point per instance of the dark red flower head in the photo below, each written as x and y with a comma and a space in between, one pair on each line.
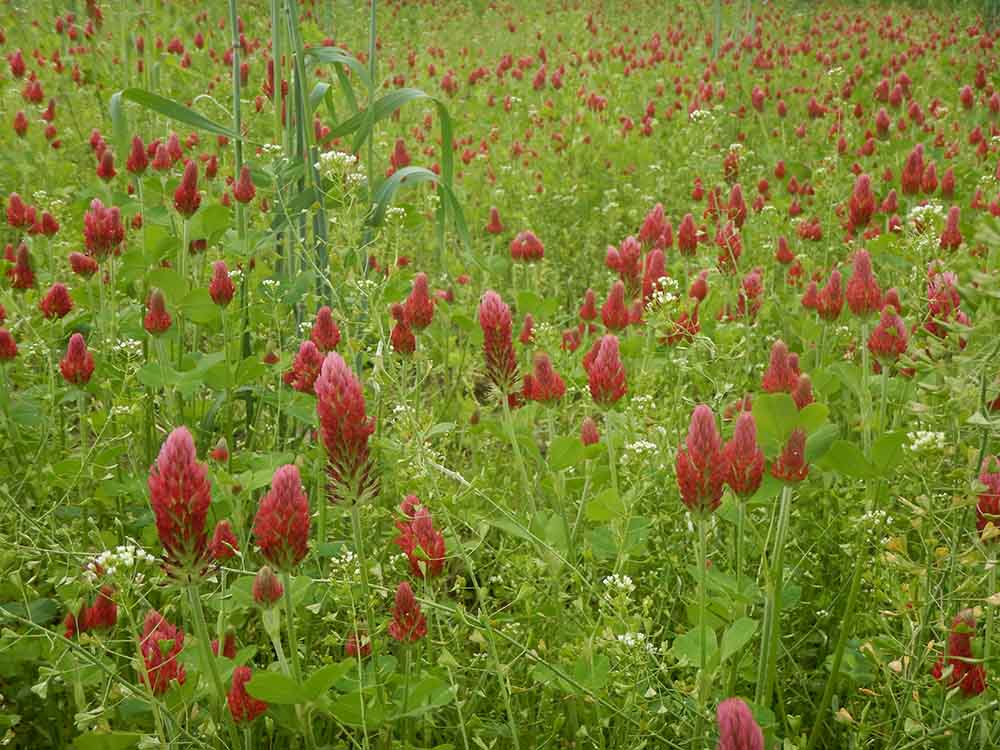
419, 306
544, 383
83, 265
614, 312
56, 303
281, 526
526, 247
187, 199
863, 293
498, 345
180, 493
157, 318
889, 339
791, 465
423, 544
737, 728
325, 333
588, 310
221, 288
687, 236
224, 545
8, 347
160, 664
243, 190
605, 373
267, 589
305, 368
780, 375
408, 624
494, 226
701, 464
588, 432
22, 274
951, 237
137, 159
345, 429
78, 364
965, 673
103, 231
988, 506
242, 706
744, 457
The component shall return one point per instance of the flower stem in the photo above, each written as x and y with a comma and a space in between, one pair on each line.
359, 550
771, 636
986, 724
81, 404
519, 459
703, 682
205, 648
740, 611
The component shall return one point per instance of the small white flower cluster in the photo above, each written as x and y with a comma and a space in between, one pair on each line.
129, 347
637, 641
122, 558
236, 274
922, 440
395, 213
620, 582
662, 296
873, 520
335, 163
355, 179
641, 446
270, 285
272, 149
700, 114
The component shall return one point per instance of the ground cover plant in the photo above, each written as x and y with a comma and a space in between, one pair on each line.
499, 375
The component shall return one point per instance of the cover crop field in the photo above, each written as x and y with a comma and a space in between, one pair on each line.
513, 375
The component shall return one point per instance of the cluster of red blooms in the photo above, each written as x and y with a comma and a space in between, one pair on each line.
958, 666
526, 248
419, 540
988, 505
783, 376
324, 337
101, 615
543, 383
242, 706
21, 215
160, 664
828, 301
22, 273
943, 302
103, 231
704, 466
414, 314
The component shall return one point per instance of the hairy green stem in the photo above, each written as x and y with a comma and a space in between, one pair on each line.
771, 636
